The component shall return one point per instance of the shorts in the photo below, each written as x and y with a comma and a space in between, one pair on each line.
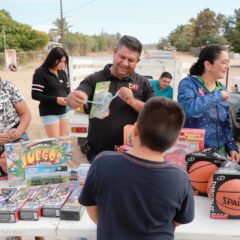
53, 119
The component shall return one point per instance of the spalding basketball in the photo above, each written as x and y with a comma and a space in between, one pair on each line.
209, 187
199, 174
228, 197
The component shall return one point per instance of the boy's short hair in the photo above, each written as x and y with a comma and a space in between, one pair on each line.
160, 122
166, 75
131, 43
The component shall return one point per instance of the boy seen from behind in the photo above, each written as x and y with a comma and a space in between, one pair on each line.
138, 195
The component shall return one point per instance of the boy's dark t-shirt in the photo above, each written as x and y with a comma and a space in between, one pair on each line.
136, 198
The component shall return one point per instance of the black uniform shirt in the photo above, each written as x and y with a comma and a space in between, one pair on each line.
105, 133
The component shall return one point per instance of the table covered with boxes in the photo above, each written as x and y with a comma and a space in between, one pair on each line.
40, 195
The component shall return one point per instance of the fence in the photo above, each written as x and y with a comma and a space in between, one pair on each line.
24, 58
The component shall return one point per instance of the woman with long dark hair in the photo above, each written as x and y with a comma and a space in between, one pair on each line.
206, 100
51, 86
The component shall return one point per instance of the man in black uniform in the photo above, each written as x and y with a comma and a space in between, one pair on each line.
132, 89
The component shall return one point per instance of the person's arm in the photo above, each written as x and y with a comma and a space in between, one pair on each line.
25, 119
93, 213
194, 103
126, 95
76, 99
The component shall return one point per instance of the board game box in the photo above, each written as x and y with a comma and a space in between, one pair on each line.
43, 175
32, 209
6, 193
72, 210
189, 140
52, 206
48, 152
225, 194
9, 211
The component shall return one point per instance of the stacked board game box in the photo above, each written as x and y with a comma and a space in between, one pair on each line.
52, 207
6, 193
32, 210
72, 210
9, 211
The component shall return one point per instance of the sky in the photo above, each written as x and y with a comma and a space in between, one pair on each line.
148, 20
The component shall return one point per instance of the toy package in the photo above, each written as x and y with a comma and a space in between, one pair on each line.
52, 151
43, 175
123, 148
52, 206
32, 209
9, 211
6, 193
225, 192
72, 210
101, 101
189, 140
128, 135
78, 175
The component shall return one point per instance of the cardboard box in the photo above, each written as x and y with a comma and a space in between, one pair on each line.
72, 210
43, 175
225, 192
51, 151
32, 209
194, 136
128, 135
9, 211
123, 148
53, 204
6, 193
78, 175
211, 158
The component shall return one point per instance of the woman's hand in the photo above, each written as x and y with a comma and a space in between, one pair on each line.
4, 137
225, 96
14, 134
235, 156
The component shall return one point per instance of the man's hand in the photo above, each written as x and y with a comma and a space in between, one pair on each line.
76, 99
62, 101
126, 95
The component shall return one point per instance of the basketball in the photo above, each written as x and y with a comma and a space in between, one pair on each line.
209, 187
199, 174
228, 197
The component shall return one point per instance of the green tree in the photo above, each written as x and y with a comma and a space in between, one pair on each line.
181, 38
207, 28
66, 26
231, 30
20, 36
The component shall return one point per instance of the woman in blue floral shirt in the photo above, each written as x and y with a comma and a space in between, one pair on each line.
206, 101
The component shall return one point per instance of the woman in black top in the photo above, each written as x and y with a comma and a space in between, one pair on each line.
51, 86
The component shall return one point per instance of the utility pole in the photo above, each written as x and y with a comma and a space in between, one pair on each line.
4, 38
62, 27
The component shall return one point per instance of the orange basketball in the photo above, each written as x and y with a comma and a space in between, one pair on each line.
228, 197
199, 174
209, 187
